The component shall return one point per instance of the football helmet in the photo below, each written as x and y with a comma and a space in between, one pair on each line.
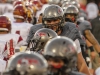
20, 12
61, 48
5, 24
53, 12
65, 5
26, 63
71, 10
41, 37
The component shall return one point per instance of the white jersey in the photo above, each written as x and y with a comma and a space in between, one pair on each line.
9, 12
15, 37
10, 16
2, 50
13, 41
22, 29
4, 8
2, 65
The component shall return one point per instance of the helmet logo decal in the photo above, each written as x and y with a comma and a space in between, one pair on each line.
59, 10
28, 61
71, 48
41, 34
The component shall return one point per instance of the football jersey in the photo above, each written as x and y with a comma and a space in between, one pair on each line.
15, 37
2, 51
21, 28
2, 48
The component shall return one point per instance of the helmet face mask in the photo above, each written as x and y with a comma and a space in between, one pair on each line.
70, 17
53, 23
53, 13
55, 65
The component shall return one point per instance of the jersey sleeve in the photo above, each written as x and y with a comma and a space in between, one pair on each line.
87, 26
84, 25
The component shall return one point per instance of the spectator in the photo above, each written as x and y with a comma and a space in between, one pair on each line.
92, 10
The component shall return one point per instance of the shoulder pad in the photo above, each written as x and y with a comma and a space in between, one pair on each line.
74, 32
71, 31
36, 27
70, 24
84, 25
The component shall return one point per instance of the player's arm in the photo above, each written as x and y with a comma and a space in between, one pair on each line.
92, 40
81, 64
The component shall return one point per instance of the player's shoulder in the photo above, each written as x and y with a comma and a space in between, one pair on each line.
70, 25
37, 26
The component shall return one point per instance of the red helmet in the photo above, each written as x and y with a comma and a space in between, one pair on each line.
5, 23
20, 12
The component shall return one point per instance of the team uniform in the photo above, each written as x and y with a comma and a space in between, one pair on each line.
84, 25
2, 51
5, 7
17, 42
69, 30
